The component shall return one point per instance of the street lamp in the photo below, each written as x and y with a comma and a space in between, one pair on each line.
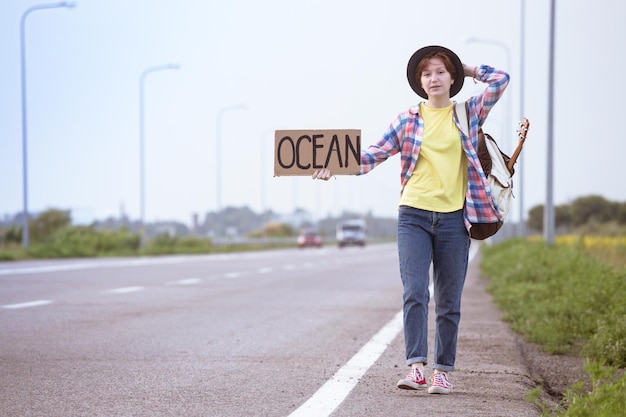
520, 160
504, 46
548, 215
218, 152
142, 80
66, 4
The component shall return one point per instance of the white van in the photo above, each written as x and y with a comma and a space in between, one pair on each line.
351, 232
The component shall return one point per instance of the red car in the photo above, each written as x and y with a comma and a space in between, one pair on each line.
309, 238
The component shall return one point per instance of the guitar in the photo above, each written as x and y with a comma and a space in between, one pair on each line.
523, 130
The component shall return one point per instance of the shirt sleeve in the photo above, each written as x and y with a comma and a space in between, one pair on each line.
388, 145
481, 105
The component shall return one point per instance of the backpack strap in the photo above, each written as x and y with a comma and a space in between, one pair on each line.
461, 113
481, 151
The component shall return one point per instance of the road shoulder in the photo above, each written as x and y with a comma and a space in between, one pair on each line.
491, 378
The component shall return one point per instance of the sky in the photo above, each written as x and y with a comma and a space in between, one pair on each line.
248, 68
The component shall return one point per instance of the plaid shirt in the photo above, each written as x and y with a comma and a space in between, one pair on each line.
404, 135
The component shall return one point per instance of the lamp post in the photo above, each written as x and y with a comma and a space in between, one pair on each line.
548, 215
508, 101
520, 159
68, 5
142, 80
218, 151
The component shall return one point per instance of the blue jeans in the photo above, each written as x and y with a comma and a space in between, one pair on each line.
441, 238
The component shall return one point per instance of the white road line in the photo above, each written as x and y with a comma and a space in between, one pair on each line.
50, 268
124, 290
27, 304
92, 265
231, 275
335, 390
264, 270
187, 281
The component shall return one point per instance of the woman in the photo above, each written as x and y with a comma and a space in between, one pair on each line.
443, 188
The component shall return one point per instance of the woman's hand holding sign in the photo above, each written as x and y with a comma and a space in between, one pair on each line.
322, 174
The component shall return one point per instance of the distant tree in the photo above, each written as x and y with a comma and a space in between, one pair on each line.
535, 218
276, 229
593, 208
11, 234
563, 216
621, 213
48, 222
582, 211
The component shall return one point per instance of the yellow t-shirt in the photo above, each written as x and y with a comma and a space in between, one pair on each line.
439, 180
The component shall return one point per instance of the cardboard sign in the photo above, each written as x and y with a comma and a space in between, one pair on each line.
301, 152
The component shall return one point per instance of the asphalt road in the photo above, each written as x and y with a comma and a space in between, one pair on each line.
311, 332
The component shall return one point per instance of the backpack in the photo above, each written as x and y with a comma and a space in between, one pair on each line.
498, 168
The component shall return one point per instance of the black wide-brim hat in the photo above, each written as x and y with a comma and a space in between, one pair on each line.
421, 53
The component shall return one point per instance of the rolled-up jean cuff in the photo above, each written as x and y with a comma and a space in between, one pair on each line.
411, 361
444, 368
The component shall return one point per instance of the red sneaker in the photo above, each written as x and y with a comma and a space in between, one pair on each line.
414, 380
441, 384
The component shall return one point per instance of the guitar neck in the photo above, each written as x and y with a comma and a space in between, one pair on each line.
515, 155
524, 125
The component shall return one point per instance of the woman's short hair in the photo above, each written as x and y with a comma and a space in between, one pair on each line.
447, 62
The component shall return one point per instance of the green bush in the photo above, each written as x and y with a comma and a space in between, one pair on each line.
568, 302
48, 223
556, 296
11, 235
121, 242
85, 241
166, 244
8, 255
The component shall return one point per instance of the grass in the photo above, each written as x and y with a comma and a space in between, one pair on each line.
610, 249
568, 298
